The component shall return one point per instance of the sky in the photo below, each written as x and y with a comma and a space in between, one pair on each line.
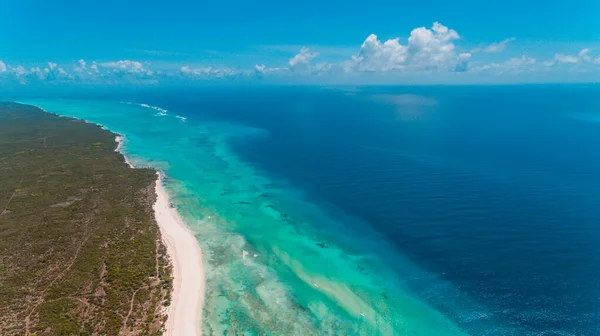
338, 42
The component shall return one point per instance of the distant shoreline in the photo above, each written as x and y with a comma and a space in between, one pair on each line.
184, 314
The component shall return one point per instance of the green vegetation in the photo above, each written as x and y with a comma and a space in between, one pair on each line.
80, 250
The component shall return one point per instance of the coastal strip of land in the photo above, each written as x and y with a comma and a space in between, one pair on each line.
184, 313
80, 248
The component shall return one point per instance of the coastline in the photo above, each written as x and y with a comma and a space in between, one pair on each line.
119, 141
184, 312
268, 307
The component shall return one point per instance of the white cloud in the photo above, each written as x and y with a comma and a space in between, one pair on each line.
513, 65
51, 73
522, 61
561, 58
464, 56
430, 50
127, 67
262, 69
84, 72
486, 67
124, 65
81, 66
323, 68
427, 49
207, 72
498, 46
580, 59
54, 72
377, 56
187, 71
19, 74
23, 75
462, 64
20, 71
39, 73
584, 55
303, 60
110, 72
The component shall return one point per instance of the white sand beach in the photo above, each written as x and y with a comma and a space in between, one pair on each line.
184, 313
119, 140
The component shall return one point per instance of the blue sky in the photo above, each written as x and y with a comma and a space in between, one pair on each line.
312, 41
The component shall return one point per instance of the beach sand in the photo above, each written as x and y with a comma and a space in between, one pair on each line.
184, 313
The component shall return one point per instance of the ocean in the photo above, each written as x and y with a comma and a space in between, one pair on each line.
378, 210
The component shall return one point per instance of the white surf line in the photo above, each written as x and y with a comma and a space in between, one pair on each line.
161, 111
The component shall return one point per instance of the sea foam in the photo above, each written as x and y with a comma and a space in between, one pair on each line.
161, 111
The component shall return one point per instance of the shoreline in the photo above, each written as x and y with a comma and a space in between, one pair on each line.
184, 314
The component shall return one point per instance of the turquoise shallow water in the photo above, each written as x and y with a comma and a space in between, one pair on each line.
275, 262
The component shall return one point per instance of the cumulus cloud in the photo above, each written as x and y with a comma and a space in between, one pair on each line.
81, 66
426, 49
84, 71
523, 60
581, 58
513, 65
548, 63
302, 60
37, 72
261, 69
561, 58
583, 55
377, 56
462, 64
127, 67
207, 72
53, 72
19, 74
187, 71
430, 49
486, 67
20, 71
324, 68
50, 73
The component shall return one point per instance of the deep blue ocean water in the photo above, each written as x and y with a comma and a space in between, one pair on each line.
492, 192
